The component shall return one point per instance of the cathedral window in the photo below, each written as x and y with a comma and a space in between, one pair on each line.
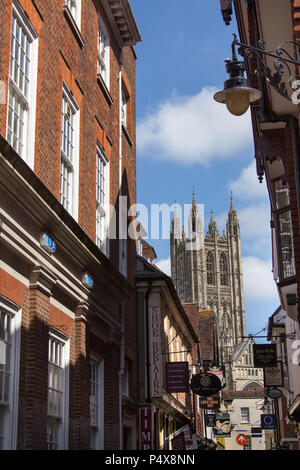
223, 270
210, 270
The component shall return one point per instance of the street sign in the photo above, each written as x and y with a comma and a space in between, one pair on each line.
241, 439
177, 377
210, 420
268, 421
264, 355
205, 384
274, 393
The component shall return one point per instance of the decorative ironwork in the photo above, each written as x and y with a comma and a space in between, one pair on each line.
282, 78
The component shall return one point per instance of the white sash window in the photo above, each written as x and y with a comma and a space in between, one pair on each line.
21, 107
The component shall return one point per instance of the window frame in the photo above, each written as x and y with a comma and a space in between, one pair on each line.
245, 420
10, 409
29, 101
73, 163
63, 420
99, 439
210, 272
102, 208
77, 16
103, 58
278, 210
223, 270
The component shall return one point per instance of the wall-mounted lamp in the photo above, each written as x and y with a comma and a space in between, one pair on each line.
238, 93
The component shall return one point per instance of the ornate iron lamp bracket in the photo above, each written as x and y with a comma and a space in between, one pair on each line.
282, 78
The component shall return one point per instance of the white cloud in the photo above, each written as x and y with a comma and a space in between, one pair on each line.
193, 129
255, 228
164, 265
258, 280
247, 186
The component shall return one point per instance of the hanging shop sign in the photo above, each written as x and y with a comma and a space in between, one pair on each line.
273, 376
223, 425
155, 351
182, 438
219, 373
178, 442
274, 393
177, 377
146, 427
205, 384
268, 421
265, 355
210, 403
210, 420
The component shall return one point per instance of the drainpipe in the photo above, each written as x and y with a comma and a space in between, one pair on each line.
122, 343
148, 391
121, 372
120, 122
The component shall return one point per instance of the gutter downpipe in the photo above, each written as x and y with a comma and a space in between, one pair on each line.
121, 372
122, 342
148, 391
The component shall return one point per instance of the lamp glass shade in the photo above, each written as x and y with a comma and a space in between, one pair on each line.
237, 101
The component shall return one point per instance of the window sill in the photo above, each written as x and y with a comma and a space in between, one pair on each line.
124, 128
104, 88
72, 23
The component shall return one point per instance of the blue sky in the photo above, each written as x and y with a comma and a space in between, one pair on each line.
186, 141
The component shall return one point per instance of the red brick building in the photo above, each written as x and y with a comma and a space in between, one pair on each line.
276, 136
67, 294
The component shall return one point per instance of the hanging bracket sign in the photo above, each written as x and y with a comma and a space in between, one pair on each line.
205, 385
265, 355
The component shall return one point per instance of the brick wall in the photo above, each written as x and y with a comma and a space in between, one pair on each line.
61, 58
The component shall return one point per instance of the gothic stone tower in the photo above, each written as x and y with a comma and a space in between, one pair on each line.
209, 272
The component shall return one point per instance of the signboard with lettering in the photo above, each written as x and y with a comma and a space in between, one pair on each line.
265, 355
210, 403
268, 421
274, 393
146, 427
177, 377
155, 351
273, 376
205, 385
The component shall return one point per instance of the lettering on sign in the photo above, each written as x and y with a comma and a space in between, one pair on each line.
155, 344
146, 427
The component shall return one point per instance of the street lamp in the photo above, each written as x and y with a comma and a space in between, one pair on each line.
238, 93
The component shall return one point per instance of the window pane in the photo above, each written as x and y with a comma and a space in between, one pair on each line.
286, 245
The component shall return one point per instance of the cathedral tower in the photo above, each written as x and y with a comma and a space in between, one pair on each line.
207, 269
